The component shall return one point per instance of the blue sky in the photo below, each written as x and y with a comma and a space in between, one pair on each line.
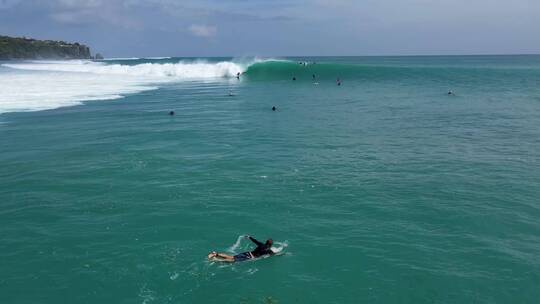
125, 28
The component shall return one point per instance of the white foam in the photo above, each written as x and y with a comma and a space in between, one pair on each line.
49, 90
41, 85
181, 70
279, 247
236, 245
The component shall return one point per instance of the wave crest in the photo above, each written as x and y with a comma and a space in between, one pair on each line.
42, 85
181, 70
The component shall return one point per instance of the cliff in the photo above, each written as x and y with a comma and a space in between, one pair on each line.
25, 48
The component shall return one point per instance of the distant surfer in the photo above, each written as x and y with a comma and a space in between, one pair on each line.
263, 249
450, 93
238, 75
338, 81
274, 108
313, 77
294, 78
171, 113
231, 93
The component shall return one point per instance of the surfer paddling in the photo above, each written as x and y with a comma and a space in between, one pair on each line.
261, 250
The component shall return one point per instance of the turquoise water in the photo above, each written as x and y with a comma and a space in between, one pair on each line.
383, 190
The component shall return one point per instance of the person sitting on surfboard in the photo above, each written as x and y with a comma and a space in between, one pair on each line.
261, 250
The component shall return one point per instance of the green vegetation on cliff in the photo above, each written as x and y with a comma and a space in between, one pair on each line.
25, 48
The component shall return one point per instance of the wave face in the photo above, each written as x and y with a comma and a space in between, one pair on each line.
424, 68
270, 70
42, 85
283, 69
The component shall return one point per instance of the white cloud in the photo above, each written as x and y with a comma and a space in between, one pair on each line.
71, 17
93, 12
80, 4
205, 31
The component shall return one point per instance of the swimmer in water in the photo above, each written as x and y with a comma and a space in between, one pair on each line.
261, 250
294, 78
338, 82
171, 113
450, 93
274, 108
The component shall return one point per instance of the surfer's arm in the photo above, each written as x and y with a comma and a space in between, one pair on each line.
255, 241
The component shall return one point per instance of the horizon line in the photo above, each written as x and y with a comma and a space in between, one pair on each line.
322, 56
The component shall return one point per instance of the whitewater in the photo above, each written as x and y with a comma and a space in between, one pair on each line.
42, 85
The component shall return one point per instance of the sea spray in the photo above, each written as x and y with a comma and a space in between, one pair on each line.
277, 247
236, 245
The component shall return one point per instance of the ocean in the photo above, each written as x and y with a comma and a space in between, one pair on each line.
383, 189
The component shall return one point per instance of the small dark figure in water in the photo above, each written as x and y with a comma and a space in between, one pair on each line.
171, 113
338, 82
274, 108
238, 75
450, 93
262, 249
294, 78
313, 76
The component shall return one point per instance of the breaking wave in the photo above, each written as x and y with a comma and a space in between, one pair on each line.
45, 84
179, 70
42, 85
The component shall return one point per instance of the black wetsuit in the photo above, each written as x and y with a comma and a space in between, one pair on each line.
262, 249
